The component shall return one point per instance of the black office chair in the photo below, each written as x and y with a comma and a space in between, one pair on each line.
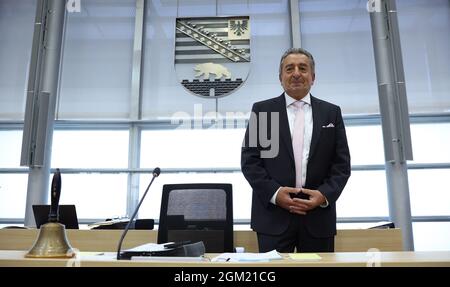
198, 212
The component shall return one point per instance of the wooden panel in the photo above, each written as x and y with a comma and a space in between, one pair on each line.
347, 240
246, 239
84, 240
352, 240
359, 240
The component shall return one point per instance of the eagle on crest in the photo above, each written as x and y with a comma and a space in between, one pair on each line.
238, 27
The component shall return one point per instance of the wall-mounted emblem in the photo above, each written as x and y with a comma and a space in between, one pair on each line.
212, 54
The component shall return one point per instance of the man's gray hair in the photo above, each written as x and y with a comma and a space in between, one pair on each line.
297, 51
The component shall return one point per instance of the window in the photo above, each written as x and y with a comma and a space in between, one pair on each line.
429, 192
13, 185
431, 236
425, 41
16, 28
185, 148
11, 148
365, 195
13, 193
362, 150
96, 196
431, 142
97, 61
90, 149
339, 36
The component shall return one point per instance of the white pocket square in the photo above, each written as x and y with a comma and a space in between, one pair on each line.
330, 125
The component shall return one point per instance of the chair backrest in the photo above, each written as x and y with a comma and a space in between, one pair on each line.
198, 212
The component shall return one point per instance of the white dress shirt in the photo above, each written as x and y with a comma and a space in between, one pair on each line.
307, 132
308, 124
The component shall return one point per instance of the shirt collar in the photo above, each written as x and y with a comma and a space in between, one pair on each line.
290, 100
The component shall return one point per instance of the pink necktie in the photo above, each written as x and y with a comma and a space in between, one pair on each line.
297, 141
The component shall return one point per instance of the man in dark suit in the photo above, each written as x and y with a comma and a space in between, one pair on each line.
296, 188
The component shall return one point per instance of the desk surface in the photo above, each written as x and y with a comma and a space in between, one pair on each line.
107, 259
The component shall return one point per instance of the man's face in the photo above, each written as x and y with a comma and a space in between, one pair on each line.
296, 75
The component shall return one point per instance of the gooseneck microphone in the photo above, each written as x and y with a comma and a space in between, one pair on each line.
156, 173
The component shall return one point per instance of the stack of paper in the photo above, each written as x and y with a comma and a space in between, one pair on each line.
169, 258
247, 257
148, 247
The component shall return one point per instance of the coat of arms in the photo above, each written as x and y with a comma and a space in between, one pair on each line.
212, 54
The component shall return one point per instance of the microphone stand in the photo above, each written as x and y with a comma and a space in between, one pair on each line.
156, 173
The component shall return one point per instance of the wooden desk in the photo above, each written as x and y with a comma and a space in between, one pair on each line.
351, 240
339, 259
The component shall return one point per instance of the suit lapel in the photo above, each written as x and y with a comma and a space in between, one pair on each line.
317, 120
285, 133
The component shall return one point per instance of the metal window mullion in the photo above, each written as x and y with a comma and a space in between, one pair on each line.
133, 164
350, 120
137, 170
135, 107
295, 23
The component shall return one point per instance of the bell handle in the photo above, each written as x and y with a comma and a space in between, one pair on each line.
54, 197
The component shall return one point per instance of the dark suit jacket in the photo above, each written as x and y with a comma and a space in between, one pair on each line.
328, 167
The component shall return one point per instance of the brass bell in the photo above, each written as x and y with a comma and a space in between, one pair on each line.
51, 243
52, 240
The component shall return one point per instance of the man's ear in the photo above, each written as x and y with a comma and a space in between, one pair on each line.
313, 77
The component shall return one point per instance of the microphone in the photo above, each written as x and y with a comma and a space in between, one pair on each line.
156, 173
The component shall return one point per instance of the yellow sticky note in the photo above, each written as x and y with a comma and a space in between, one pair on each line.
304, 256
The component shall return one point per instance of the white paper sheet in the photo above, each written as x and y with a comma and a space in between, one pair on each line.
247, 257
